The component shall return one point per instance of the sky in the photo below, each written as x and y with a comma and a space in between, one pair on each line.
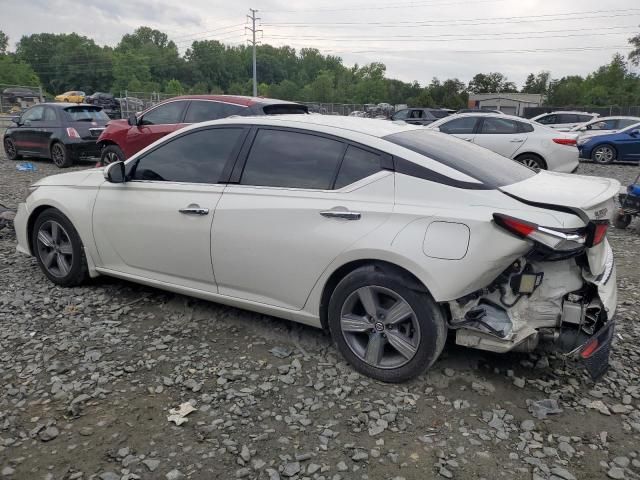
415, 39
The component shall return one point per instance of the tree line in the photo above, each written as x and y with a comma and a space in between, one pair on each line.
147, 60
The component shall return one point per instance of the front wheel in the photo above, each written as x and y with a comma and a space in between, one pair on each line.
386, 330
111, 154
622, 220
58, 249
603, 154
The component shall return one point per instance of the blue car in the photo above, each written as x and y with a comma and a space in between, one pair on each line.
623, 146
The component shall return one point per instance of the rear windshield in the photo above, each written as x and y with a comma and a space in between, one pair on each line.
284, 109
86, 114
487, 167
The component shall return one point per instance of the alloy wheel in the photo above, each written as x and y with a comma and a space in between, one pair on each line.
10, 147
55, 249
110, 157
603, 154
380, 327
531, 163
57, 154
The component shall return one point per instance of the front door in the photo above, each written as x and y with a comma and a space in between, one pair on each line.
301, 200
26, 135
629, 146
158, 224
500, 135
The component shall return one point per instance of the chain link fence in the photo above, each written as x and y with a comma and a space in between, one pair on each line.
368, 110
134, 102
16, 98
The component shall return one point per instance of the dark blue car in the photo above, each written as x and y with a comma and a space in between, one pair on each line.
623, 146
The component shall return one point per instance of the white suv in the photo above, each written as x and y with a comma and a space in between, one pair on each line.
522, 140
387, 235
564, 121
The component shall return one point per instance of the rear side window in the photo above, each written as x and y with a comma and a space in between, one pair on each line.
547, 120
525, 127
197, 157
568, 118
86, 114
281, 158
167, 113
201, 111
356, 165
491, 125
489, 168
464, 125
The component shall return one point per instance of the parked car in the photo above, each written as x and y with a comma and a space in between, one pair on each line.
522, 140
105, 100
419, 116
74, 96
564, 121
478, 110
604, 125
387, 234
18, 94
64, 133
123, 138
621, 146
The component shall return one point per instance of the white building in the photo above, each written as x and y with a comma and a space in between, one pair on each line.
509, 103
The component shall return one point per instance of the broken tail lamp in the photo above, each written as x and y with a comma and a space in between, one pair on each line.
559, 240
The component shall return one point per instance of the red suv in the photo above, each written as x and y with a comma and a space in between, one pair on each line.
123, 138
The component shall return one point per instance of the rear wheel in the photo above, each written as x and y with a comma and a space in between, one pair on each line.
111, 154
604, 154
58, 249
622, 220
383, 328
532, 161
10, 149
60, 156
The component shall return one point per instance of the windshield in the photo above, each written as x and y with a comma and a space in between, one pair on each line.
86, 114
491, 169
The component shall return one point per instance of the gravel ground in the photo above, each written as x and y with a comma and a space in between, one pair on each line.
89, 376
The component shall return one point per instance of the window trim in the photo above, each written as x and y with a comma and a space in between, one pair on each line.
235, 177
130, 168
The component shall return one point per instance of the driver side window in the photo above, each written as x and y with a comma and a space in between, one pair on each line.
169, 113
33, 115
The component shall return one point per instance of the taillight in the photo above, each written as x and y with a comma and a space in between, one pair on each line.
565, 141
564, 240
596, 231
72, 133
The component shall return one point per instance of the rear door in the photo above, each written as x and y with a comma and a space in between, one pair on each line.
155, 124
300, 200
501, 135
463, 127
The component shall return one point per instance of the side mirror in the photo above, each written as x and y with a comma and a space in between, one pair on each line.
115, 173
16, 120
133, 120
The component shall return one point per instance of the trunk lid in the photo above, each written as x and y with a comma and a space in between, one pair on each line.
591, 198
88, 121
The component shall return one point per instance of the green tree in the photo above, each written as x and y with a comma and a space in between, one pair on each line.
537, 83
14, 72
4, 43
493, 82
174, 87
634, 55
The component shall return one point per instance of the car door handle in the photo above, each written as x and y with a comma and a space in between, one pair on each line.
341, 213
467, 139
517, 140
194, 209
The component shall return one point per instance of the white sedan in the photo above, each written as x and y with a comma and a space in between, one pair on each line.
527, 142
390, 236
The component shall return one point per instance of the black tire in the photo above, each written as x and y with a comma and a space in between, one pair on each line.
532, 161
622, 220
10, 149
426, 314
78, 271
604, 154
110, 154
60, 156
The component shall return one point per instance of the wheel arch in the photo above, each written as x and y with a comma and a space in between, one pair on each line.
341, 272
533, 154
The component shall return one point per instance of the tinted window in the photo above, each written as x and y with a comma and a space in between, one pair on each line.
164, 114
197, 157
491, 169
50, 115
567, 118
547, 120
33, 115
201, 111
290, 159
415, 114
459, 125
357, 164
492, 125
525, 127
86, 114
401, 115
584, 118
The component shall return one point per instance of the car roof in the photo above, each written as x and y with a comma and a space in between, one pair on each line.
368, 126
501, 116
236, 99
614, 117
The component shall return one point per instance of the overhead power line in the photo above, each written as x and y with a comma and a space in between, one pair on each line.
383, 7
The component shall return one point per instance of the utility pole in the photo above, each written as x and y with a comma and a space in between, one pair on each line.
253, 42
